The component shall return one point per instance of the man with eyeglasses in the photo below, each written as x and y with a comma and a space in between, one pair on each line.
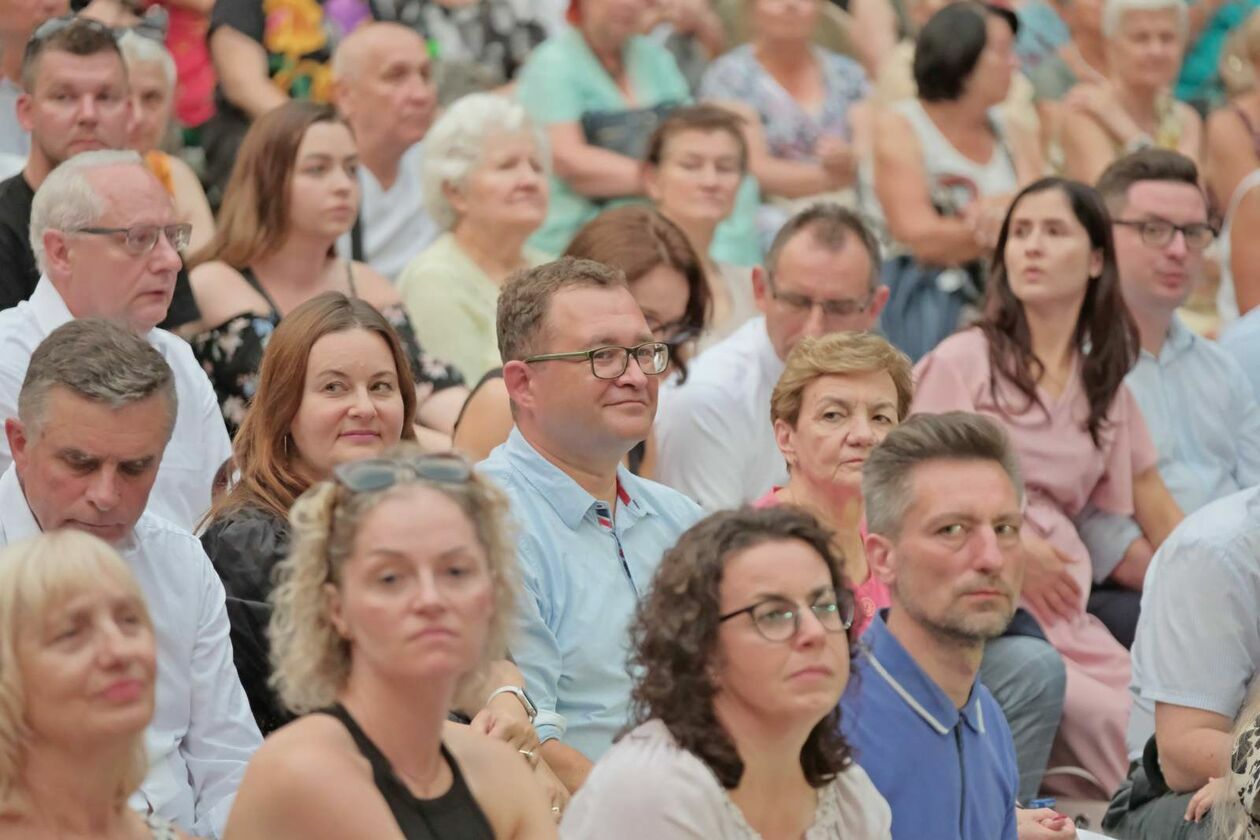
715, 440
75, 100
1203, 418
105, 236
944, 511
582, 369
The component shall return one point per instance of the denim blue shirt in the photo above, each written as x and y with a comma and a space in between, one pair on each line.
583, 571
1205, 424
947, 773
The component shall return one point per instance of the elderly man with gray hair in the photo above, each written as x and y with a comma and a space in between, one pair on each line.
96, 410
104, 234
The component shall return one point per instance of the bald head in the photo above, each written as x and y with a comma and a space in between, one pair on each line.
382, 86
362, 46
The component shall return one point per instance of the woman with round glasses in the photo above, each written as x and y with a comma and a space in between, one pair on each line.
397, 593
1048, 361
838, 397
743, 651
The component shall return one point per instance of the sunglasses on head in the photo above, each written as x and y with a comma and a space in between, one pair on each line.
374, 474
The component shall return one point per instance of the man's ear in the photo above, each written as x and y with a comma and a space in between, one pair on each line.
761, 288
878, 301
19, 443
25, 112
56, 253
881, 558
517, 378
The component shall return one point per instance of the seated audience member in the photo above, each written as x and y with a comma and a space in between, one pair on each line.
1231, 142
839, 396
945, 498
383, 89
581, 368
1238, 253
293, 192
696, 159
743, 648
96, 410
151, 77
105, 235
1191, 672
485, 185
667, 282
716, 442
804, 100
17, 24
1134, 109
944, 171
1048, 361
1204, 421
399, 587
1233, 798
1242, 340
76, 99
80, 673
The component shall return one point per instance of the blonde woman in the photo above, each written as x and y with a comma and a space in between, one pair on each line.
397, 592
78, 662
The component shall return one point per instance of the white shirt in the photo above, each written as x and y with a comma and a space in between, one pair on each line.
395, 225
14, 140
202, 733
198, 446
716, 443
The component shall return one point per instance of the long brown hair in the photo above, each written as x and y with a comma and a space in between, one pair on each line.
1105, 337
254, 218
270, 479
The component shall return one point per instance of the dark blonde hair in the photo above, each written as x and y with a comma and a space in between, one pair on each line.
839, 353
703, 117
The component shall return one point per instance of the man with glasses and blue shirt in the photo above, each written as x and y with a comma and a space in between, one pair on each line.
1203, 417
104, 233
582, 369
715, 440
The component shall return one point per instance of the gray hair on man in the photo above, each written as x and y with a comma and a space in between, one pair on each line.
67, 200
1113, 11
98, 361
831, 226
952, 436
139, 49
457, 143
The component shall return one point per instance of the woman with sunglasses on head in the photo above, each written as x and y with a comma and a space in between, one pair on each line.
666, 279
743, 648
397, 592
1048, 360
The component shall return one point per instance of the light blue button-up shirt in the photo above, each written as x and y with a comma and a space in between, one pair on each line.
583, 572
1205, 423
1242, 340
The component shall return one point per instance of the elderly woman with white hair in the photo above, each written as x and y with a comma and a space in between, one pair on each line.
78, 664
1134, 108
484, 175
151, 73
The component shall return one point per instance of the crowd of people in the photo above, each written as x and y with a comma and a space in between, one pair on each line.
784, 419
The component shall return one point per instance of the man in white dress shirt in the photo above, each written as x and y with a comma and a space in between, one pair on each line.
105, 236
714, 433
95, 412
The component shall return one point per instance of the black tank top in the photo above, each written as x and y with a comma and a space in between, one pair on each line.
454, 815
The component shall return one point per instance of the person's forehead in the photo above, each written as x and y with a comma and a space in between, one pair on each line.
93, 428
1148, 18
130, 195
394, 45
705, 141
872, 385
812, 267
775, 566
591, 310
61, 67
147, 75
974, 487
1176, 201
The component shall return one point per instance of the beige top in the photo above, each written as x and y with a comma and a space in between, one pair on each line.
452, 305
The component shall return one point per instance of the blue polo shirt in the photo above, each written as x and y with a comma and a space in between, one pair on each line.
583, 569
947, 773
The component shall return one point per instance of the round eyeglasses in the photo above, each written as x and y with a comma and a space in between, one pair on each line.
779, 619
611, 361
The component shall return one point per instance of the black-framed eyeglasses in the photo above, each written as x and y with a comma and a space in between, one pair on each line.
831, 307
373, 474
779, 619
140, 239
611, 360
1157, 233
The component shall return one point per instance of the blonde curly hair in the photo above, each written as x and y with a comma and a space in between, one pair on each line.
311, 660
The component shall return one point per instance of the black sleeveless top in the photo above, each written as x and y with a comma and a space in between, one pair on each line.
454, 815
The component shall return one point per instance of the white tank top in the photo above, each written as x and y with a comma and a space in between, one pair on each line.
1226, 300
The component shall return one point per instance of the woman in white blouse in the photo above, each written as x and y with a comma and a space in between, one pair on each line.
743, 651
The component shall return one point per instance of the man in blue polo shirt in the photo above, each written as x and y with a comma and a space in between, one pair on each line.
582, 370
944, 500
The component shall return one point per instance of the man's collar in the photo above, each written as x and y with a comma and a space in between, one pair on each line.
48, 307
767, 356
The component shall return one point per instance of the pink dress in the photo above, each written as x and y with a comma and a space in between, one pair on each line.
1063, 471
871, 594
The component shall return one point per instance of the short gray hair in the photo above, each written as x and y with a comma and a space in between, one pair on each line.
99, 361
1113, 11
67, 200
831, 226
457, 143
138, 49
954, 435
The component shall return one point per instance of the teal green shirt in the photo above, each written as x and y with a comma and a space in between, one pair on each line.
1200, 78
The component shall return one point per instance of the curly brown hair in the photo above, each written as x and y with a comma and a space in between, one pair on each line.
675, 631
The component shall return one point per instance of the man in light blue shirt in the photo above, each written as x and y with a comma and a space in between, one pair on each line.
944, 511
582, 370
1242, 340
1202, 415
